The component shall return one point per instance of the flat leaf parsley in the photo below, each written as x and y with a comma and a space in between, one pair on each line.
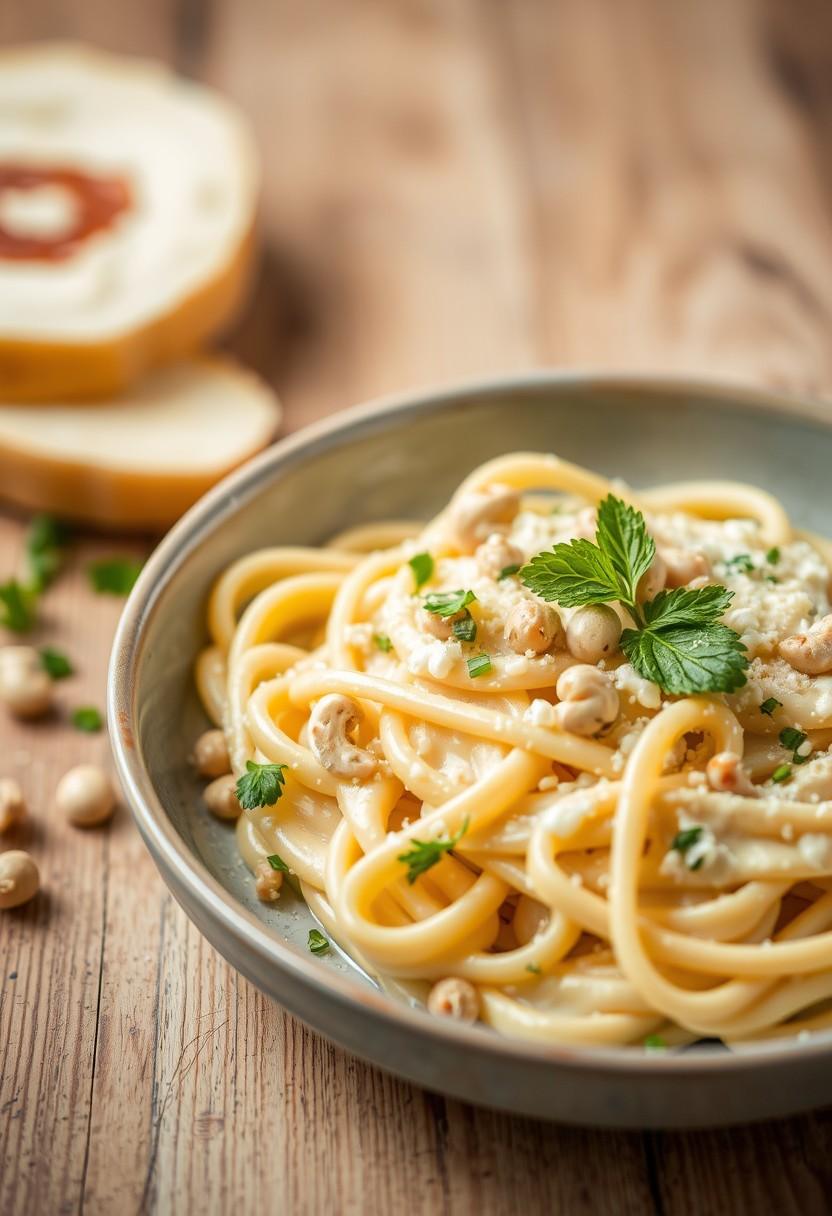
679, 642
260, 785
424, 854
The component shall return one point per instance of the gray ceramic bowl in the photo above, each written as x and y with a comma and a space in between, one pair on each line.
402, 458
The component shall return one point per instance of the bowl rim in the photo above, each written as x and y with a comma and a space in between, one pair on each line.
170, 851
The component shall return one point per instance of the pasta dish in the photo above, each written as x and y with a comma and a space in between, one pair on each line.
557, 761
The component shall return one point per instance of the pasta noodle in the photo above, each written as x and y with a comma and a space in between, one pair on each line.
491, 816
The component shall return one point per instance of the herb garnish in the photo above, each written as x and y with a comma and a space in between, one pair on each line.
260, 785
316, 942
770, 705
87, 718
114, 575
679, 642
793, 739
277, 863
382, 642
654, 1042
424, 854
741, 562
685, 840
479, 665
773, 556
422, 566
781, 773
448, 603
46, 539
465, 629
17, 606
534, 968
55, 663
508, 572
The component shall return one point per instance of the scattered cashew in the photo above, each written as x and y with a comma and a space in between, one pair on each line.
221, 797
19, 878
85, 796
12, 804
210, 757
25, 687
593, 633
454, 998
333, 720
588, 702
267, 882
810, 652
653, 580
439, 626
477, 514
497, 554
725, 774
684, 565
533, 625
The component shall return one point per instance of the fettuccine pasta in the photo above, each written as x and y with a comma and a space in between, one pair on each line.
490, 806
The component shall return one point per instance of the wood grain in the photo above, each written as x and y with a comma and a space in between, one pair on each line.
452, 187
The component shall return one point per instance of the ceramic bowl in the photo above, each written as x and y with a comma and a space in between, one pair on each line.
402, 458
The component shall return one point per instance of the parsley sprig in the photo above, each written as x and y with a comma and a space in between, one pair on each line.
679, 642
260, 785
424, 854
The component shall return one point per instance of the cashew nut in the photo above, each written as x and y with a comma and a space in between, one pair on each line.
533, 625
810, 652
725, 774
210, 758
454, 998
439, 626
12, 805
478, 513
653, 580
333, 720
684, 565
496, 555
19, 878
221, 797
85, 796
588, 702
25, 688
267, 882
593, 633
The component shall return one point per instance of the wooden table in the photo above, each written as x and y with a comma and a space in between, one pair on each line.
452, 187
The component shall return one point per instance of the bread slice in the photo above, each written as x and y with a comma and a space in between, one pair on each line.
139, 462
164, 174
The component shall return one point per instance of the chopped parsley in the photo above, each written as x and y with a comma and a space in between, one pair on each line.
316, 942
770, 705
793, 739
382, 642
465, 629
45, 542
114, 575
741, 563
773, 556
654, 1042
55, 663
260, 785
479, 665
448, 603
424, 854
17, 606
781, 773
508, 572
277, 863
534, 968
87, 718
679, 641
684, 841
422, 566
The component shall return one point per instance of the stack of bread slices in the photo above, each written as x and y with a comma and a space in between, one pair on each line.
127, 212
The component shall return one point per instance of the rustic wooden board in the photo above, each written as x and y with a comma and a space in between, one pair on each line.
452, 187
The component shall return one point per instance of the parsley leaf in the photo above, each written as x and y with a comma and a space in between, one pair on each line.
773, 556
654, 1042
45, 541
685, 606
742, 563
572, 573
534, 968
685, 840
770, 705
507, 572
781, 773
316, 942
17, 606
87, 718
448, 603
382, 642
277, 863
114, 575
793, 739
479, 665
465, 629
422, 566
685, 659
260, 785
424, 854
55, 663
622, 535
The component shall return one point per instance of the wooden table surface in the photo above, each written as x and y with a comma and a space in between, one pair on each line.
452, 187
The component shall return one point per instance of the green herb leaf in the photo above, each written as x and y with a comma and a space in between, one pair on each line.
685, 659
572, 574
422, 566
685, 606
507, 572
479, 665
114, 575
316, 942
45, 541
534, 969
448, 603
424, 854
792, 739
654, 1042
622, 535
382, 642
17, 606
87, 718
770, 705
685, 840
277, 863
773, 556
465, 629
260, 785
55, 663
781, 773
741, 563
